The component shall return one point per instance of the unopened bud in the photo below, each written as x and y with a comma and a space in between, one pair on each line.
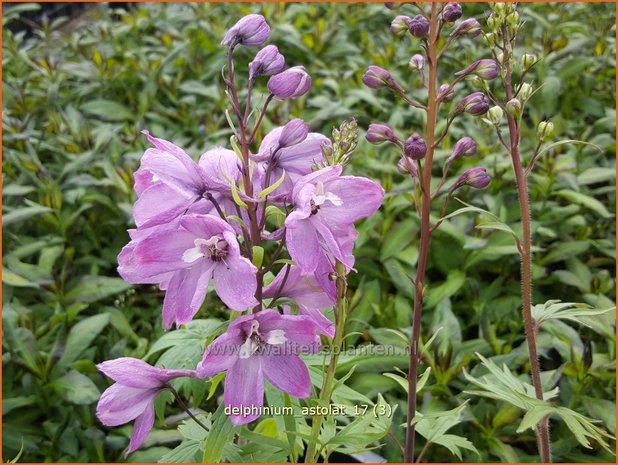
527, 60
376, 77
490, 38
378, 133
400, 25
484, 69
525, 92
465, 147
417, 62
495, 114
415, 147
406, 165
392, 5
475, 104
545, 130
446, 93
293, 133
474, 177
451, 12
419, 27
469, 27
513, 107
512, 20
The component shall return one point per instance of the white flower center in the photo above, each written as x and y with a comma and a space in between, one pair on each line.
255, 340
214, 248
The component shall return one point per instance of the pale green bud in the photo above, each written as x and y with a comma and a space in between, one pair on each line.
495, 114
527, 60
545, 130
513, 107
490, 38
526, 91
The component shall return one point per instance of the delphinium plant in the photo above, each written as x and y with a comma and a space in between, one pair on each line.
510, 94
434, 29
229, 219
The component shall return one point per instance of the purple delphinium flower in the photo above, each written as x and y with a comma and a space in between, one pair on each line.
476, 177
258, 346
419, 26
183, 260
464, 147
475, 104
267, 62
169, 183
376, 77
291, 83
297, 160
326, 207
415, 147
452, 12
307, 293
469, 27
485, 69
132, 396
250, 31
378, 133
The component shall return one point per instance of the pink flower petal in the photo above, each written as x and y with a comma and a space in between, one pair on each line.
244, 388
142, 427
287, 373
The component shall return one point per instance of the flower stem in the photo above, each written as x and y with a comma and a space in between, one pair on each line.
425, 179
341, 310
542, 429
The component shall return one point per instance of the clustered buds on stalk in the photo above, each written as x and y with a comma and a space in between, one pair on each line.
204, 221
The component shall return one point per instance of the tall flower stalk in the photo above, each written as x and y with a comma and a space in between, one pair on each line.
418, 151
197, 221
504, 24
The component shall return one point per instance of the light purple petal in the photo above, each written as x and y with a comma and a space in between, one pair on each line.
162, 252
185, 294
303, 245
325, 326
221, 354
236, 283
244, 388
328, 241
324, 176
300, 331
218, 164
141, 428
287, 373
205, 226
120, 404
135, 373
361, 198
160, 203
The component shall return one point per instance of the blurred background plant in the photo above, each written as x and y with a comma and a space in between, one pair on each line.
76, 94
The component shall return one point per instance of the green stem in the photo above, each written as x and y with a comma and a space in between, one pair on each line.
341, 309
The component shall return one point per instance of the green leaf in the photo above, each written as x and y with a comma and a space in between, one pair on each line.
19, 215
76, 388
108, 110
220, 434
586, 201
556, 310
93, 288
81, 336
15, 280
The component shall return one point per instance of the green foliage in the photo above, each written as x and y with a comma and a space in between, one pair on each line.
77, 95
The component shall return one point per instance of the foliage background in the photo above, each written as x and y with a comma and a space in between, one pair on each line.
77, 95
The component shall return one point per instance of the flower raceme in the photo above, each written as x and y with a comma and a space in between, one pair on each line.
204, 221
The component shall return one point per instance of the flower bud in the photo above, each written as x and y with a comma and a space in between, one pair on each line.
250, 31
495, 114
267, 62
417, 62
512, 20
527, 60
475, 104
392, 5
419, 26
378, 133
491, 22
545, 130
465, 147
291, 83
484, 69
415, 147
376, 77
469, 27
400, 25
474, 177
525, 92
513, 107
451, 12
446, 93
293, 133
490, 38
406, 165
